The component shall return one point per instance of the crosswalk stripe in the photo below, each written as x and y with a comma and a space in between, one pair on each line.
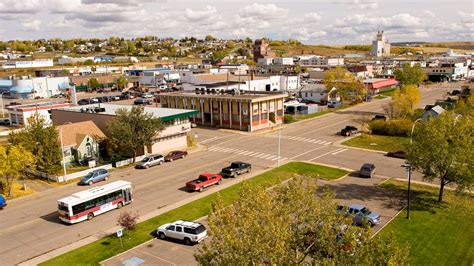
339, 151
267, 156
251, 154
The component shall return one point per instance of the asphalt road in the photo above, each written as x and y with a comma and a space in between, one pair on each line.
29, 227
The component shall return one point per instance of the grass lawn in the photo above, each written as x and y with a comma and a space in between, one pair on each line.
109, 246
437, 234
378, 142
379, 97
18, 191
388, 92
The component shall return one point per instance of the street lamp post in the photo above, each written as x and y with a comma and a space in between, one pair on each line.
62, 149
408, 167
279, 146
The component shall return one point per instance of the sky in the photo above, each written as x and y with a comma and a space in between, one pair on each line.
310, 21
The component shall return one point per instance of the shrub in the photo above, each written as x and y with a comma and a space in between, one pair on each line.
288, 119
399, 127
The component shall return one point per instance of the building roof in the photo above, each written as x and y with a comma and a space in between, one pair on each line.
259, 96
37, 106
73, 134
226, 76
378, 83
165, 114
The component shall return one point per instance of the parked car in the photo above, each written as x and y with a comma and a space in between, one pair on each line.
4, 122
334, 104
95, 176
362, 214
368, 98
367, 170
13, 104
397, 154
204, 180
3, 202
141, 101
379, 117
146, 95
151, 160
349, 130
236, 168
189, 232
174, 155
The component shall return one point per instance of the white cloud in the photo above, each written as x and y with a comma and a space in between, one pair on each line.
33, 25
263, 12
198, 15
20, 7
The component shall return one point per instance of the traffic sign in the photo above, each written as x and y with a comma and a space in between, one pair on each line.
120, 232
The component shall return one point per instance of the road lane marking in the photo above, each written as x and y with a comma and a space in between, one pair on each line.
324, 154
208, 140
337, 152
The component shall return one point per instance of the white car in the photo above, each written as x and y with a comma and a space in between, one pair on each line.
189, 232
147, 95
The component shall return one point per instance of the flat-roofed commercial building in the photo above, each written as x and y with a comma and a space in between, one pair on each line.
242, 111
19, 114
173, 137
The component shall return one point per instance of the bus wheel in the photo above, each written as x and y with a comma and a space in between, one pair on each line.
119, 205
90, 216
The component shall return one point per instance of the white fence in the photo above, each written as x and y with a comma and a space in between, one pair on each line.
128, 161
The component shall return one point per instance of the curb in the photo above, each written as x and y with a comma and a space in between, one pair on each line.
388, 222
340, 145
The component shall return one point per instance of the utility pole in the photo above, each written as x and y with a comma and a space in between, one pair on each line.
279, 146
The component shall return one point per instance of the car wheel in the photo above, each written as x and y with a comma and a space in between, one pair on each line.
90, 216
219, 182
249, 169
371, 224
187, 241
147, 166
90, 183
162, 236
106, 178
201, 189
161, 162
119, 205
171, 159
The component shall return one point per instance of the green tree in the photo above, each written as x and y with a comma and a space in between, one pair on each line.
209, 38
42, 140
89, 62
289, 225
94, 83
345, 83
121, 82
13, 160
443, 148
130, 131
410, 75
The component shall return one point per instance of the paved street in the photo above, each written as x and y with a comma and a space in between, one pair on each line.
29, 227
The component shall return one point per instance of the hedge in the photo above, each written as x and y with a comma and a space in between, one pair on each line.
399, 127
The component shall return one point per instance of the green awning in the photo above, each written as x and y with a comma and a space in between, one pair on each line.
181, 115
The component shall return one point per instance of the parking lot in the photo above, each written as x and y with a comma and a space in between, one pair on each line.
350, 190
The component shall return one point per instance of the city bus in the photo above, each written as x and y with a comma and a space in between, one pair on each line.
84, 205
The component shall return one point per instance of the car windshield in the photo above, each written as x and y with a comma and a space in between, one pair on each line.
234, 165
202, 178
89, 175
365, 211
145, 159
366, 168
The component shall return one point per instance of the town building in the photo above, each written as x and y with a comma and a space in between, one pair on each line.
35, 87
376, 85
317, 60
173, 137
317, 93
19, 114
80, 141
27, 63
448, 71
380, 46
261, 50
234, 110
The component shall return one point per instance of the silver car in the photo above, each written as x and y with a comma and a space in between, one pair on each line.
150, 161
361, 214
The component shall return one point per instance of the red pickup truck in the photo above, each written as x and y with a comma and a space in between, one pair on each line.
204, 180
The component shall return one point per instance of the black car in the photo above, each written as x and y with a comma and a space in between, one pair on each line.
379, 117
4, 122
236, 168
349, 130
142, 101
397, 154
